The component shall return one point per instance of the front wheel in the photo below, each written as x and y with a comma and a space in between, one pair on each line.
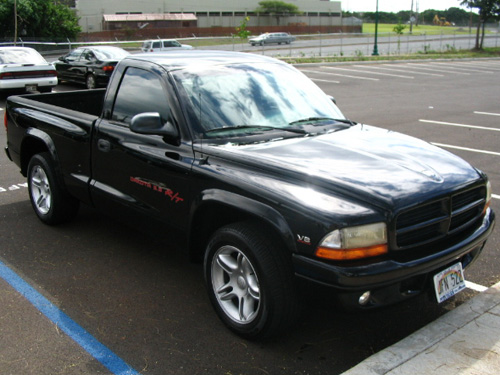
52, 204
250, 281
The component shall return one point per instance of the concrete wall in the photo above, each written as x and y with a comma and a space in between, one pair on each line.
210, 12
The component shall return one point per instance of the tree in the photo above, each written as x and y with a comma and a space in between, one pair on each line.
277, 9
398, 29
38, 18
242, 30
487, 9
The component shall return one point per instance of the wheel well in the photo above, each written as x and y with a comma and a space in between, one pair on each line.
213, 216
30, 146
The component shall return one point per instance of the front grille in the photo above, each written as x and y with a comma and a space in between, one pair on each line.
439, 219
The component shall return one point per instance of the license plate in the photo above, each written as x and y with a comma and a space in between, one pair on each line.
449, 282
31, 88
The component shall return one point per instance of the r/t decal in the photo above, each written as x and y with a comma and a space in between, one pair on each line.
158, 187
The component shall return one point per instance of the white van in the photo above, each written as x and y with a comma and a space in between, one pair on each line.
158, 45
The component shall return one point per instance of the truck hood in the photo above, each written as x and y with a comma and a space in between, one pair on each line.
364, 162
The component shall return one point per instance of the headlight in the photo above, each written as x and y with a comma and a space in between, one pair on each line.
354, 242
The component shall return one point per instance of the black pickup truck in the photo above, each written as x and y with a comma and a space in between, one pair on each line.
275, 190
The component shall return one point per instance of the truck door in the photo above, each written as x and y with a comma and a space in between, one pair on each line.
134, 172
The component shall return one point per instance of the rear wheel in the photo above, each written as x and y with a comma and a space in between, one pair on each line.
52, 204
90, 82
250, 281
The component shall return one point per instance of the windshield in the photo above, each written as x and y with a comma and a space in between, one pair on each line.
245, 97
20, 56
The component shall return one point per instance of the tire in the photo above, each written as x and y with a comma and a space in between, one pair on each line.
250, 281
51, 203
90, 82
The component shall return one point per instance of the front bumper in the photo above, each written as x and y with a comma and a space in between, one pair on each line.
390, 281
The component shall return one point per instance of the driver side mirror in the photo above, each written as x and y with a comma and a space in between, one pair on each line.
150, 123
332, 99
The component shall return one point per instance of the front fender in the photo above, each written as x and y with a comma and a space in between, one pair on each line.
215, 207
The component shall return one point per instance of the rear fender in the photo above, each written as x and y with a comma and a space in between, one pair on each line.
34, 142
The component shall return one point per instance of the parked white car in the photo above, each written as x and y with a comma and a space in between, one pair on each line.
24, 69
269, 38
159, 45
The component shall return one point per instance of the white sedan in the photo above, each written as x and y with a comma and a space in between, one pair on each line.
24, 69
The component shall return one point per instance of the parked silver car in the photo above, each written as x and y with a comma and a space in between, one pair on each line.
159, 45
269, 38
24, 69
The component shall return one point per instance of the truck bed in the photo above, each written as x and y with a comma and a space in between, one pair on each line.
85, 101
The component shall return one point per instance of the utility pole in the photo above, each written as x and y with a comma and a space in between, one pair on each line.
375, 46
417, 8
411, 17
15, 22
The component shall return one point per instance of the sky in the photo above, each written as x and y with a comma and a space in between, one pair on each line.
397, 5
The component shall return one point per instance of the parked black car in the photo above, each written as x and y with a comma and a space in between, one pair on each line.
91, 66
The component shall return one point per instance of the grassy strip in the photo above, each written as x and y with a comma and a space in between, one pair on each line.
463, 54
369, 28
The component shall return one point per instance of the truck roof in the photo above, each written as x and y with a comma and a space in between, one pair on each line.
179, 59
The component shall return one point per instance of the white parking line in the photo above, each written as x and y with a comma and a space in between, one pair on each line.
323, 80
423, 67
340, 75
496, 196
474, 286
468, 69
13, 187
404, 71
466, 149
460, 125
484, 64
487, 113
368, 72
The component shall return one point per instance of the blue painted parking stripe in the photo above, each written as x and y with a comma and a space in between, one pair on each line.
88, 342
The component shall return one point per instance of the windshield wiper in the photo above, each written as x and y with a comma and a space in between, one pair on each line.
260, 127
317, 119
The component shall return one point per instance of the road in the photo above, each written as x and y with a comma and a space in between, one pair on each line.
134, 291
363, 45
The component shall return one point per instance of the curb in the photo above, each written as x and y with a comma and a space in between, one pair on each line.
424, 339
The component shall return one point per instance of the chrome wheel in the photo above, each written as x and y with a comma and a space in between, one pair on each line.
235, 284
91, 82
40, 190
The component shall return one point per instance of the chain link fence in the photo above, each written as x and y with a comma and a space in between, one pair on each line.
323, 45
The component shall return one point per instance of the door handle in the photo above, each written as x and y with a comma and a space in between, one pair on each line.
103, 145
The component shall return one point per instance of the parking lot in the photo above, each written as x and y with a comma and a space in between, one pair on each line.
144, 307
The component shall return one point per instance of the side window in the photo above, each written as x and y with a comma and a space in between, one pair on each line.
140, 91
89, 55
75, 55
157, 44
